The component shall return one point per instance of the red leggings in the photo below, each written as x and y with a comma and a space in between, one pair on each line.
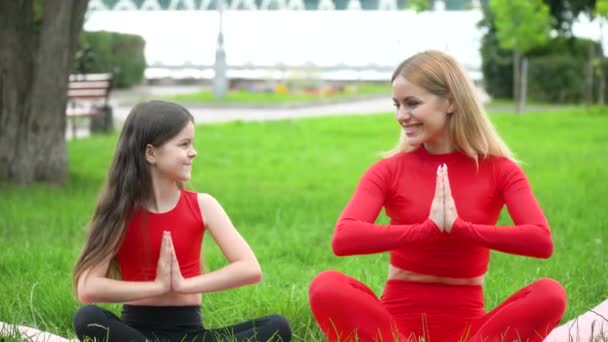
347, 310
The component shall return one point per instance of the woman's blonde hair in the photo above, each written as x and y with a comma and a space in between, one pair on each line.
468, 126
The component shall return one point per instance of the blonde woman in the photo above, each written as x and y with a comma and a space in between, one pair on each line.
443, 189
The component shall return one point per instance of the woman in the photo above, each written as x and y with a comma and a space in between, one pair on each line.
443, 188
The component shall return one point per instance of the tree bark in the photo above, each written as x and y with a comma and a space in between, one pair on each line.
517, 57
523, 92
601, 91
590, 76
35, 64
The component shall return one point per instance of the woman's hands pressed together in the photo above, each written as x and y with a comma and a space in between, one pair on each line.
443, 209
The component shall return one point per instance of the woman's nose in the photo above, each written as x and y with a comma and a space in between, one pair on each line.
403, 113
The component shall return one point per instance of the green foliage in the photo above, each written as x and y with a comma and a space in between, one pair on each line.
121, 54
556, 71
418, 5
497, 68
556, 79
565, 12
37, 7
521, 24
601, 8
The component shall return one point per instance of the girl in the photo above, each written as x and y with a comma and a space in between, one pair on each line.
148, 229
443, 189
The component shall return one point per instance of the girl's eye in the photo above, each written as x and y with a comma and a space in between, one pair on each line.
396, 104
412, 104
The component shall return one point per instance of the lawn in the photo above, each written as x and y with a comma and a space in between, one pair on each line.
284, 184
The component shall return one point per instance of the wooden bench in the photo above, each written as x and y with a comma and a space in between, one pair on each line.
87, 96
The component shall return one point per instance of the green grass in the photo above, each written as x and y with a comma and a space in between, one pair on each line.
242, 97
284, 184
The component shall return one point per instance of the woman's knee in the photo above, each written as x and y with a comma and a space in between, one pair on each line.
325, 283
552, 294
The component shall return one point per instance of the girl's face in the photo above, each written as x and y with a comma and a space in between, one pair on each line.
421, 114
173, 159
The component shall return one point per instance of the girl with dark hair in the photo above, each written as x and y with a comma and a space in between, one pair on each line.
143, 247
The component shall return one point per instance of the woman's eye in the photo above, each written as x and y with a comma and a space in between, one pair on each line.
396, 104
412, 104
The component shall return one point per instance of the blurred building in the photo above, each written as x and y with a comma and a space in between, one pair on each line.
324, 39
274, 4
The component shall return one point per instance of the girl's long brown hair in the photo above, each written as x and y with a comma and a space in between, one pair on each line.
129, 185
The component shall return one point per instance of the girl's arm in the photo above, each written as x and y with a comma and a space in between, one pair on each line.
243, 267
95, 287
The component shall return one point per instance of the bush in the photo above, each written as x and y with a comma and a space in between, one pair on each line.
497, 68
118, 53
556, 71
556, 79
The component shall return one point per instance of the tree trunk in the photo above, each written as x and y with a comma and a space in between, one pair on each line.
601, 91
589, 76
601, 88
516, 77
521, 104
35, 64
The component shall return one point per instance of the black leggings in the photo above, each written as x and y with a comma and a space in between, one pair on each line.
171, 324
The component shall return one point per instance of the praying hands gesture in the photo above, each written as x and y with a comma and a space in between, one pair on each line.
443, 209
168, 273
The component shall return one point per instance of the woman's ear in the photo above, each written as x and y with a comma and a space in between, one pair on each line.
451, 106
150, 154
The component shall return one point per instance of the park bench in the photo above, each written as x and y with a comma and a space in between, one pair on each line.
88, 98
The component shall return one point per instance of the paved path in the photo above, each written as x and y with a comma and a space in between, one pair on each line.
211, 114
123, 101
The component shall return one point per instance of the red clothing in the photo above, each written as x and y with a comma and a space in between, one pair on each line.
139, 252
405, 185
347, 310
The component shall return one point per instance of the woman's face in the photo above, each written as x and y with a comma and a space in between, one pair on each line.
421, 114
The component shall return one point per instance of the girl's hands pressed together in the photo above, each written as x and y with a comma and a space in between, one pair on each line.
177, 280
163, 269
